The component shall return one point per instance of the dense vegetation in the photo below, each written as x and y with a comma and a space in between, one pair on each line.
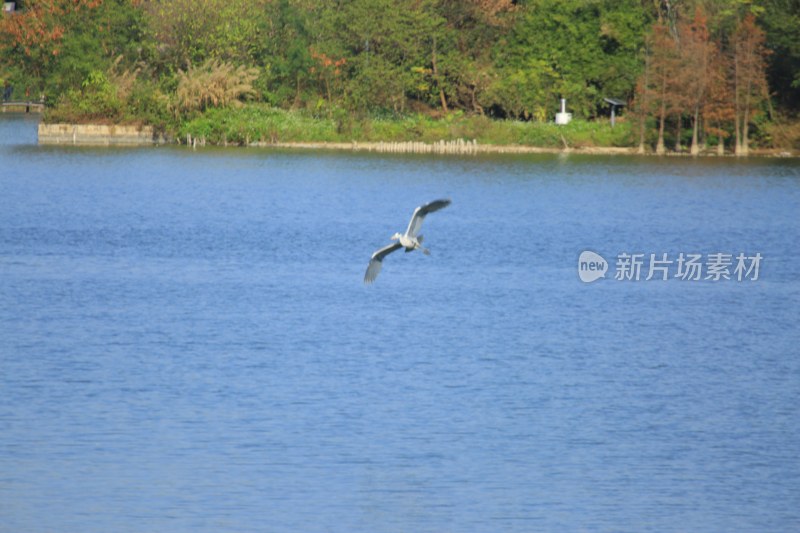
693, 72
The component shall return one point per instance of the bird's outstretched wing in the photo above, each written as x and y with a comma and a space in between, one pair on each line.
375, 264
419, 215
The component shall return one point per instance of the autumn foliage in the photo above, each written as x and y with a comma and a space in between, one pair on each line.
34, 34
716, 83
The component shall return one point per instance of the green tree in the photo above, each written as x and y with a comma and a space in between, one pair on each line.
188, 32
53, 45
697, 52
573, 49
781, 20
464, 42
286, 40
749, 77
389, 46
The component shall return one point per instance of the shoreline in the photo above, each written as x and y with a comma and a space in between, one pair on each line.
459, 147
125, 135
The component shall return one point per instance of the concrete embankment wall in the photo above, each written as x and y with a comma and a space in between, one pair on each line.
96, 134
22, 107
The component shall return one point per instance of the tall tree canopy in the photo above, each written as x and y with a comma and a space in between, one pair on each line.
676, 60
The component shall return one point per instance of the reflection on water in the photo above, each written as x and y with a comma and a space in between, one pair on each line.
187, 344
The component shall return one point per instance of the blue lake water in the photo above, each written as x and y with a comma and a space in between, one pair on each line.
186, 343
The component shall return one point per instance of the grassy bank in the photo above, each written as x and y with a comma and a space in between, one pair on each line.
264, 124
259, 123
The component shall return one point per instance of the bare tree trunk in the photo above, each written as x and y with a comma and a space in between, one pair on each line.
737, 149
695, 148
475, 105
736, 107
643, 107
746, 122
745, 147
703, 135
296, 102
641, 134
678, 147
435, 69
642, 123
330, 98
660, 150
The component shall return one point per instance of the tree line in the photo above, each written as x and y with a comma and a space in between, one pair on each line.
718, 67
715, 80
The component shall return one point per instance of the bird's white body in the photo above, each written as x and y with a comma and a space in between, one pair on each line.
410, 240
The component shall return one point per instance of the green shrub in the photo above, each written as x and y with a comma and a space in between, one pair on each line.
261, 122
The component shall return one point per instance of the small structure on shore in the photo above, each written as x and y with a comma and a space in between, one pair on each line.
614, 105
563, 117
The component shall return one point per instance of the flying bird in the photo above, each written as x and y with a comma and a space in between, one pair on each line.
410, 240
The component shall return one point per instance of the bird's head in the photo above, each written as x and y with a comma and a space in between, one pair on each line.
396, 236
